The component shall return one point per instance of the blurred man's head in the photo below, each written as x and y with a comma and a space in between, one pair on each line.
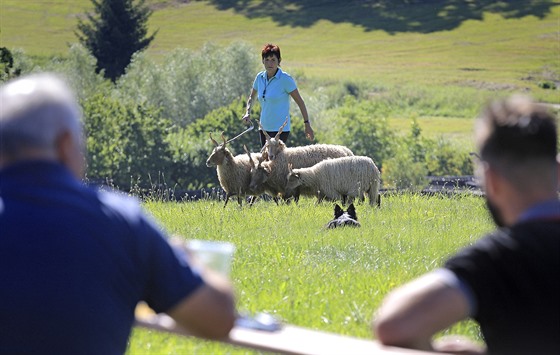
40, 119
517, 141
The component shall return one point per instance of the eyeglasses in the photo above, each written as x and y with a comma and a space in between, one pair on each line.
264, 93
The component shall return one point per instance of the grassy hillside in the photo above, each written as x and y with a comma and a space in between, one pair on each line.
439, 42
491, 46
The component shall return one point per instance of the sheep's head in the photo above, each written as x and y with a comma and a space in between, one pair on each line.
219, 152
259, 175
293, 180
273, 146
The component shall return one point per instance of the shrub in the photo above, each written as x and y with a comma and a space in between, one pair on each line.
402, 172
126, 143
188, 85
361, 126
444, 158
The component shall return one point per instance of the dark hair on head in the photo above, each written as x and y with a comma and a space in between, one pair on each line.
517, 130
271, 49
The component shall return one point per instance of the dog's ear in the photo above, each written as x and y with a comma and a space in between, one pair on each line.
352, 212
337, 211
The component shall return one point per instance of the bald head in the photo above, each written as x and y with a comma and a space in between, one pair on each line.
40, 119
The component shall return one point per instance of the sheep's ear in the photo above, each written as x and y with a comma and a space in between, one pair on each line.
212, 139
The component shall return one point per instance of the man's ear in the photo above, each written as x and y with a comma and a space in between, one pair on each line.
492, 182
69, 153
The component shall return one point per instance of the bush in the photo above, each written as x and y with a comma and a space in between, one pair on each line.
402, 172
443, 158
188, 85
126, 144
191, 146
416, 157
361, 126
79, 69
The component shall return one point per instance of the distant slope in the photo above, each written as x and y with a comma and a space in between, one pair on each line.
487, 44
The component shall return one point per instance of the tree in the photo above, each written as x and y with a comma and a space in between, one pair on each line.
116, 31
126, 143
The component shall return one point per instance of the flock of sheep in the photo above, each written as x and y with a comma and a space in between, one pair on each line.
329, 172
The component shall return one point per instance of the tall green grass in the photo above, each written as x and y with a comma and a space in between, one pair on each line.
287, 264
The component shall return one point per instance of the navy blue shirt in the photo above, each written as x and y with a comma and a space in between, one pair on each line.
75, 261
513, 275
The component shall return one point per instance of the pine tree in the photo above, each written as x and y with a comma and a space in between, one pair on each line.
116, 31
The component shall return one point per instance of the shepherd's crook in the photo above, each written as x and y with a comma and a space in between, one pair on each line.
242, 133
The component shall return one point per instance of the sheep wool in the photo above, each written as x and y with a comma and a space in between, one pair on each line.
342, 179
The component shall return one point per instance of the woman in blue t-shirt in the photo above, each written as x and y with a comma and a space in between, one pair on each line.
273, 88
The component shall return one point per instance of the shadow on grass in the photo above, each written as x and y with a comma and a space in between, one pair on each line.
392, 16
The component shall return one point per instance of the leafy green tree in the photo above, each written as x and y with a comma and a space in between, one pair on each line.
126, 144
116, 31
188, 84
79, 69
362, 128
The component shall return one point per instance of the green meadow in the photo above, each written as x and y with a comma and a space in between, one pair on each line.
287, 264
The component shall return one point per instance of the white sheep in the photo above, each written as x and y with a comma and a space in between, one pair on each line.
234, 172
272, 174
338, 179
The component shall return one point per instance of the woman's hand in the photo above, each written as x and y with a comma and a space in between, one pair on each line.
246, 118
309, 132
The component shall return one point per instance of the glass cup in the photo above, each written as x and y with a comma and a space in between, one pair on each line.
214, 255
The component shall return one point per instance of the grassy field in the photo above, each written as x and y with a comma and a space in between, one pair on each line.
287, 264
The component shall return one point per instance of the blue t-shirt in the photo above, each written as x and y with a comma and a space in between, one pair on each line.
274, 97
75, 261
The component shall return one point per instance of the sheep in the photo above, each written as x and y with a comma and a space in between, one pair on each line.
261, 188
234, 172
273, 174
338, 179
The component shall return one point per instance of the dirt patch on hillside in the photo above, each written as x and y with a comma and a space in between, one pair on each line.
168, 3
484, 85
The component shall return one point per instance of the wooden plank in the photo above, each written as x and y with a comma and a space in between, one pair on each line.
289, 339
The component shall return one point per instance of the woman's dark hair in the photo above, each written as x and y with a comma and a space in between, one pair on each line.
271, 49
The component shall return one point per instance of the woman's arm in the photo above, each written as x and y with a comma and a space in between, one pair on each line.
301, 104
247, 116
